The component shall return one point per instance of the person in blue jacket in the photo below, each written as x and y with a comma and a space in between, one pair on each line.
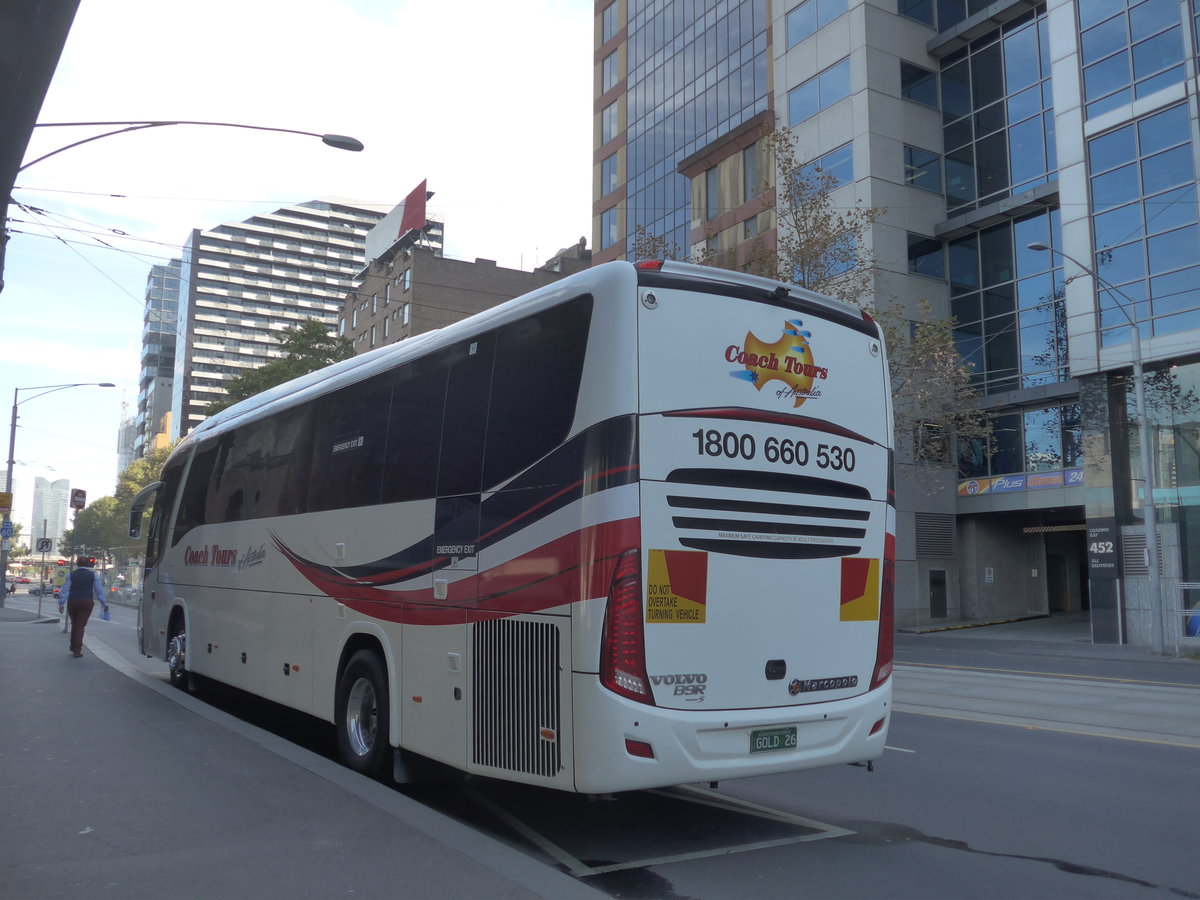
82, 589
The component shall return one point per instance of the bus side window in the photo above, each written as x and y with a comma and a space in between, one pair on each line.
466, 420
193, 499
349, 443
410, 470
160, 516
539, 363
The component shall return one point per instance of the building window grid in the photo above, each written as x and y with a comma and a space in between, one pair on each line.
998, 115
608, 20
1008, 304
809, 17
1045, 439
667, 99
922, 169
1129, 54
608, 175
837, 165
1145, 225
820, 92
918, 84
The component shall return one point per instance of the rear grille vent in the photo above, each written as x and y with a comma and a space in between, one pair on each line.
516, 711
827, 525
935, 536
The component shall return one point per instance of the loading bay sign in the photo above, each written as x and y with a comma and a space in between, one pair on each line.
1104, 548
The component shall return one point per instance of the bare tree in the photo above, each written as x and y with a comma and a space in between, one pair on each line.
825, 249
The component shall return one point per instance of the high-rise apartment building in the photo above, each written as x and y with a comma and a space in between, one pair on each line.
984, 129
243, 283
152, 422
51, 501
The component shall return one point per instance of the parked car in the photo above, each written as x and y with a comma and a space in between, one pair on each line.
49, 589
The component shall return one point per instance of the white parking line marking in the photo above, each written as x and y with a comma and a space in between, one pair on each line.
818, 831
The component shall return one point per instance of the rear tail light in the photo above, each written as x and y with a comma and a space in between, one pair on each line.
623, 650
887, 602
649, 265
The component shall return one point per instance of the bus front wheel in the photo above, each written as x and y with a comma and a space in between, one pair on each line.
362, 715
177, 656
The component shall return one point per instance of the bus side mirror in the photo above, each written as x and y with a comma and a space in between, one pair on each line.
137, 507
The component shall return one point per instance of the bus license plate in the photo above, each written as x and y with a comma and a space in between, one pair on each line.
765, 740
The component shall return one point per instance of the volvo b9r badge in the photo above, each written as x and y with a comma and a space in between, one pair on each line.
789, 360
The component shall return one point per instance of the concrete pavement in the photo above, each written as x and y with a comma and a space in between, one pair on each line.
113, 784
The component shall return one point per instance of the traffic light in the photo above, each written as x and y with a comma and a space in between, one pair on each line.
62, 562
91, 561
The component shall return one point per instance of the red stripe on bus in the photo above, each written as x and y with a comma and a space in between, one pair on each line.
566, 570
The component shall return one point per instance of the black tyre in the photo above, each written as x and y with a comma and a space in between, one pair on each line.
177, 654
362, 716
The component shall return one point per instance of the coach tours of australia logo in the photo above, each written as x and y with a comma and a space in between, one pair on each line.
214, 555
786, 366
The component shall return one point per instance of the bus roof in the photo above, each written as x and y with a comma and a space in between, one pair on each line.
361, 367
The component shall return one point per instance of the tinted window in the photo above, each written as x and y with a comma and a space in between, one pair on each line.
918, 84
415, 435
465, 421
350, 438
160, 518
193, 500
535, 385
262, 469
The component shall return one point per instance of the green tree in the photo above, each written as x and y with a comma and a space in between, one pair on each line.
306, 348
140, 473
101, 529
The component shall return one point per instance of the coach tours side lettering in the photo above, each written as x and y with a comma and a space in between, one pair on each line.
210, 555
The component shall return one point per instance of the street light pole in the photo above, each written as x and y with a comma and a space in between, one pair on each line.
337, 141
12, 452
1149, 511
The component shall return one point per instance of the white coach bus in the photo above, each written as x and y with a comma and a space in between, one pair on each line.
633, 529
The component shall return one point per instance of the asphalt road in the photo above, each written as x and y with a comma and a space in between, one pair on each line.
967, 802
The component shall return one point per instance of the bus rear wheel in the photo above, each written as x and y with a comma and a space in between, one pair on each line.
362, 715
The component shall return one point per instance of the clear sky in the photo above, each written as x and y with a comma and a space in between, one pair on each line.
491, 102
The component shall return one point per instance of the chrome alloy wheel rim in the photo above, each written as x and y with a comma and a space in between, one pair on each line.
362, 716
177, 653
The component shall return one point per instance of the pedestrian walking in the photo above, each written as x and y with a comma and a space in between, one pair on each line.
82, 589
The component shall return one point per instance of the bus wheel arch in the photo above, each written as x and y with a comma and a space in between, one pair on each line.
362, 708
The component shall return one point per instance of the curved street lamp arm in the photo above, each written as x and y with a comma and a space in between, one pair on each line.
339, 141
1104, 282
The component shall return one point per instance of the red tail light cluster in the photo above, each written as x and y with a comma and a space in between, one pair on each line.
623, 650
887, 619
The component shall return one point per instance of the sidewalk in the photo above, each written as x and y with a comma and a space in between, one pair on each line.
115, 784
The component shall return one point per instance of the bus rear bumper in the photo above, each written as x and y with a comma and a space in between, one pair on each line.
716, 745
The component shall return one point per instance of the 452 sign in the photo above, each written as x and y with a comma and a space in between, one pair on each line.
1104, 548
